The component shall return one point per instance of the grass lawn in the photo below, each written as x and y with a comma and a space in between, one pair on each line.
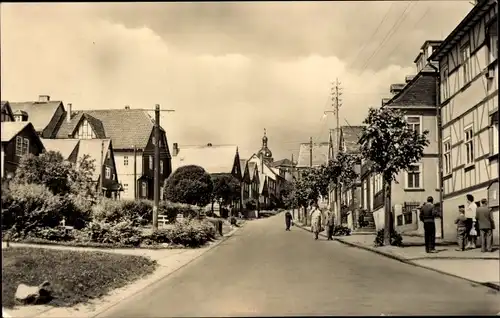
75, 276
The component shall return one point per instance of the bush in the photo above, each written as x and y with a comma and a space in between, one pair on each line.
58, 234
26, 207
217, 223
396, 238
124, 233
232, 220
251, 205
192, 233
341, 230
140, 212
171, 210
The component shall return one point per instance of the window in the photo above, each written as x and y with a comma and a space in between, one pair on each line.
378, 184
18, 118
447, 157
108, 173
161, 167
469, 146
492, 42
85, 131
144, 189
494, 135
444, 84
414, 177
125, 188
466, 64
26, 146
151, 162
19, 146
153, 140
415, 123
125, 160
365, 195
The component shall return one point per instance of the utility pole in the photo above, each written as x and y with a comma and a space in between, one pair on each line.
156, 162
135, 173
310, 152
101, 167
336, 104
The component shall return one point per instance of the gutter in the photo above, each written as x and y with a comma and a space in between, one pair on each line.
440, 145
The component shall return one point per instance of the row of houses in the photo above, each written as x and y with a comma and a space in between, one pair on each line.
120, 141
453, 95
262, 179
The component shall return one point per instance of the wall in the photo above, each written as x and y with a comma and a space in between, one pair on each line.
2, 166
126, 173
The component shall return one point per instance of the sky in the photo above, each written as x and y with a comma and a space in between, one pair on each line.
228, 69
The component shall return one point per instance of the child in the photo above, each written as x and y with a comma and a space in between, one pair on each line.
461, 228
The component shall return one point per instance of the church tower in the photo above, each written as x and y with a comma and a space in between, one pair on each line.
264, 153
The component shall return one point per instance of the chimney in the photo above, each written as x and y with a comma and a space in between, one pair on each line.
127, 107
68, 116
43, 98
396, 88
175, 151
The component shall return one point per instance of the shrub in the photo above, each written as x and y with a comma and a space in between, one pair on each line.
58, 234
251, 205
171, 210
396, 238
140, 212
232, 220
29, 206
341, 230
217, 223
123, 232
107, 210
192, 233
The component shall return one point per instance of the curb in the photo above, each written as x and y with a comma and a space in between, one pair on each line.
410, 262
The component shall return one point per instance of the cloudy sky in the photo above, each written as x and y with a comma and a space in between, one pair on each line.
228, 69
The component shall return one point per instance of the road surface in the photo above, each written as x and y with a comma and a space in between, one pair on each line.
264, 270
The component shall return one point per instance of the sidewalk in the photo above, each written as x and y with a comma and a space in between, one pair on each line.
169, 261
472, 265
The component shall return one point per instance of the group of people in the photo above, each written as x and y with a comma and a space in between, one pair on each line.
318, 221
472, 220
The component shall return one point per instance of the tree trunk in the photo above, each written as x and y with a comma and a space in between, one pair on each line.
213, 206
388, 220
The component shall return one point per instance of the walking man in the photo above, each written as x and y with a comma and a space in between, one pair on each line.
288, 220
484, 219
428, 216
470, 214
316, 221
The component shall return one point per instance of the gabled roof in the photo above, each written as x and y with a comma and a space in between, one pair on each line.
126, 127
6, 109
10, 129
96, 149
350, 136
243, 163
319, 154
94, 123
214, 159
39, 113
252, 166
64, 146
419, 92
283, 162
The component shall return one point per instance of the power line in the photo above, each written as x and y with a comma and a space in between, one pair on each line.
388, 35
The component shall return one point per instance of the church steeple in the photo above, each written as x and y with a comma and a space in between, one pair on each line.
264, 153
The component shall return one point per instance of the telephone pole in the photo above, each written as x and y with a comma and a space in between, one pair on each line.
336, 92
310, 152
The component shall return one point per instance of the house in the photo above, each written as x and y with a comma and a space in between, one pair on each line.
100, 151
416, 98
7, 114
321, 154
250, 189
285, 168
45, 114
350, 198
468, 69
132, 133
18, 139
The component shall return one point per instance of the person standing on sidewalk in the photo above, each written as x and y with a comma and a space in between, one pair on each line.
330, 224
316, 220
470, 214
461, 228
484, 219
428, 216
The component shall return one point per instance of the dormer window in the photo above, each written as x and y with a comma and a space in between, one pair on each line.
85, 131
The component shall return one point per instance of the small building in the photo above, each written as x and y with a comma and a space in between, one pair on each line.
7, 114
18, 139
100, 151
468, 69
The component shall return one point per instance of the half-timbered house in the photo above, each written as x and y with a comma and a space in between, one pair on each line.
468, 63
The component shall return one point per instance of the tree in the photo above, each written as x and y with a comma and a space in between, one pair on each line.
189, 184
391, 145
226, 189
60, 176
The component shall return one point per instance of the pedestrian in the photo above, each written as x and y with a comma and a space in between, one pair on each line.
470, 214
316, 220
330, 224
427, 216
461, 221
484, 219
288, 220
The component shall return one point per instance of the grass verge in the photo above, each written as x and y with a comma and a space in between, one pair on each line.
76, 277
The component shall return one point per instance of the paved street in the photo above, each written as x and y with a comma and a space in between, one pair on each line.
263, 270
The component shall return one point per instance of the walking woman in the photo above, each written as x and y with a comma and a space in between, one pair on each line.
316, 220
288, 220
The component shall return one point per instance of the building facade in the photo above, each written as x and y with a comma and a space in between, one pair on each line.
468, 66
